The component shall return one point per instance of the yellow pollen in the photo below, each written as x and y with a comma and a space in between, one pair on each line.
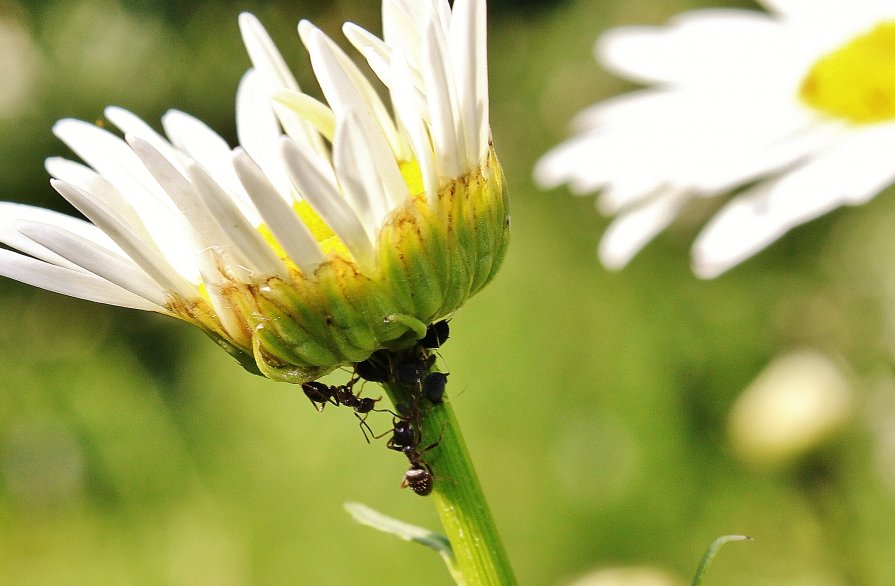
413, 177
322, 233
856, 82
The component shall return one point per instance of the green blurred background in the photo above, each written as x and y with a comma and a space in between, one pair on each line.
596, 404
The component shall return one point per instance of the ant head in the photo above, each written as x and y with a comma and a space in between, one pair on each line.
365, 405
402, 426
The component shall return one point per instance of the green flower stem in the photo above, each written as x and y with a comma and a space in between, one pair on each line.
458, 497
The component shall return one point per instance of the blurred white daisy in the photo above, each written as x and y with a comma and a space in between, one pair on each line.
799, 400
795, 108
332, 231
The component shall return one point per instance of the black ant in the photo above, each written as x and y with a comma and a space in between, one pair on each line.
409, 369
378, 367
419, 477
406, 438
320, 394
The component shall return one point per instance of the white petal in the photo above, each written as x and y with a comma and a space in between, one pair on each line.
259, 131
12, 213
358, 176
377, 156
145, 254
625, 165
553, 168
852, 173
228, 316
864, 163
248, 241
733, 167
116, 162
380, 57
406, 107
682, 139
211, 151
376, 52
146, 218
318, 114
847, 173
402, 26
443, 10
828, 9
469, 56
628, 109
444, 127
267, 60
205, 231
702, 47
264, 54
634, 229
151, 214
68, 282
336, 82
290, 231
741, 229
100, 261
130, 123
310, 177
345, 87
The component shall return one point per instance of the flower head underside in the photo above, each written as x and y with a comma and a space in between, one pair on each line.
336, 228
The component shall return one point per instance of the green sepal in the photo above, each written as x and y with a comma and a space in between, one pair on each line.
431, 257
246, 360
286, 373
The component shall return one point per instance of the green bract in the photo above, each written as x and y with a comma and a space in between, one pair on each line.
431, 259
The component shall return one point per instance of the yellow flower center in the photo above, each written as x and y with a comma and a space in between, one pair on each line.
323, 234
413, 177
856, 82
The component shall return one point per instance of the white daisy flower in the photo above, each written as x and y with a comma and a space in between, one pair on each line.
796, 107
335, 229
799, 400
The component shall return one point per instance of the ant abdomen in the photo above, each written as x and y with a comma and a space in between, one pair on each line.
419, 478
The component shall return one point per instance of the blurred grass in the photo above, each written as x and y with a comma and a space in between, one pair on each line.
132, 451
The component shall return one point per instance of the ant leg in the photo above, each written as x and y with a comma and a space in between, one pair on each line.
376, 400
433, 445
385, 433
349, 386
365, 428
386, 411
